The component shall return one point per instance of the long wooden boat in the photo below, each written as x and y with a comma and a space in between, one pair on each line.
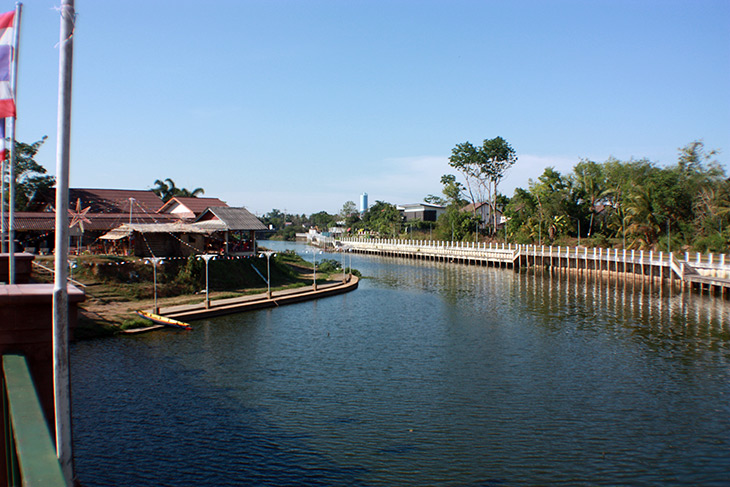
163, 320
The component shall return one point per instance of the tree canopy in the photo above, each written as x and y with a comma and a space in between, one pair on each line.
30, 177
483, 169
680, 206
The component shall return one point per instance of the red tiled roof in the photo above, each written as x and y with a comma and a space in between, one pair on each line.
46, 221
115, 200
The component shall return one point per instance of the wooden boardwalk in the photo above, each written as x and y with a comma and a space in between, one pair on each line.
702, 272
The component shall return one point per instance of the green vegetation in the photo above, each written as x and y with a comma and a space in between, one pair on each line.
30, 177
634, 203
631, 204
167, 190
483, 168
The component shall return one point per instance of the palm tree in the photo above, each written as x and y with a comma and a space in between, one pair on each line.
166, 190
589, 180
186, 193
645, 220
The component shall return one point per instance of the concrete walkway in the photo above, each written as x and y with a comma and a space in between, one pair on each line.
191, 312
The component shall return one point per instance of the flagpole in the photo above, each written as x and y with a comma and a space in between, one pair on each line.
3, 236
61, 375
11, 182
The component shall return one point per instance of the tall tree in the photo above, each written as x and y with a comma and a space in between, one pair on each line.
483, 169
382, 217
588, 181
499, 156
348, 209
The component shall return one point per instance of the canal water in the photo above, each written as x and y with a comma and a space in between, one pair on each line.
428, 374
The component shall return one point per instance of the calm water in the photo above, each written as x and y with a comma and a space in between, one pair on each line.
428, 374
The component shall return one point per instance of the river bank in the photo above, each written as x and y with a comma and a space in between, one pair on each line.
115, 288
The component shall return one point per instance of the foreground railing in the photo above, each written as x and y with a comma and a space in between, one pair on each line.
30, 457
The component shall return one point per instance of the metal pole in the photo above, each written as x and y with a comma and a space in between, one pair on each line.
131, 203
61, 382
268, 277
13, 155
314, 269
268, 254
207, 287
154, 277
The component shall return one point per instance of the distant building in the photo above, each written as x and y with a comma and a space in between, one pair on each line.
363, 203
421, 211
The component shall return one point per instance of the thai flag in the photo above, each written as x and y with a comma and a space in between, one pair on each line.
7, 101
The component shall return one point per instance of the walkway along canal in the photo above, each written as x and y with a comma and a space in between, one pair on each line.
226, 306
704, 273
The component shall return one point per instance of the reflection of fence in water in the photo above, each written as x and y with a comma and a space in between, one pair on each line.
654, 307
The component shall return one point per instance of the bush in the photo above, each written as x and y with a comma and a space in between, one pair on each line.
716, 243
329, 266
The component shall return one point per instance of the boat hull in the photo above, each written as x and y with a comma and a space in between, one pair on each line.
162, 320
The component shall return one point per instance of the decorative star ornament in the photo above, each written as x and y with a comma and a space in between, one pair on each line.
78, 217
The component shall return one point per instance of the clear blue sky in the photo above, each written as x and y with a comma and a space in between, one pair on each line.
302, 105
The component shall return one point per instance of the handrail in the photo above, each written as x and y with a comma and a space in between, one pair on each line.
47, 269
30, 455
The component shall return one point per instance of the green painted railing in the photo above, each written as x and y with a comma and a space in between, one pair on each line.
30, 455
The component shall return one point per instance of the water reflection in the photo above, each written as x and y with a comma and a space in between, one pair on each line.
429, 374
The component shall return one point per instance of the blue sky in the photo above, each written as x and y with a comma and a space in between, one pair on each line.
303, 105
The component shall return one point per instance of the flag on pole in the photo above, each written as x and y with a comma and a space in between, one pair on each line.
7, 35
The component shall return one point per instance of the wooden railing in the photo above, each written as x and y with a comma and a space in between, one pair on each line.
30, 457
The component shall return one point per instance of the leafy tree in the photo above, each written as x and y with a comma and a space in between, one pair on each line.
30, 177
453, 190
275, 218
455, 224
499, 156
483, 168
349, 208
552, 193
383, 218
434, 200
522, 216
322, 220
